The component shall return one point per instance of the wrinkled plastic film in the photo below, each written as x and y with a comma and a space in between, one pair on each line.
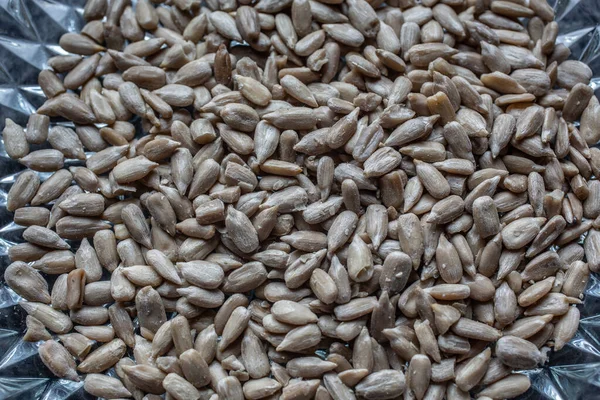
29, 33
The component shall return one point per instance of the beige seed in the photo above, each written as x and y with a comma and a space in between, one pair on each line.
179, 388
300, 338
529, 122
75, 288
519, 233
52, 188
248, 277
103, 357
105, 386
518, 353
577, 101
15, 141
23, 190
145, 377
565, 328
475, 330
53, 320
58, 360
253, 90
36, 331
85, 204
27, 282
512, 385
241, 230
151, 312
380, 385
323, 286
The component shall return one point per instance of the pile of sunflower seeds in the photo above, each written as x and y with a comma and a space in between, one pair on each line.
330, 199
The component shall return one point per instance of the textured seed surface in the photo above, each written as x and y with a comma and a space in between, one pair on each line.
365, 201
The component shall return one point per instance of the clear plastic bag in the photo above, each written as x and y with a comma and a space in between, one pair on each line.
29, 33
